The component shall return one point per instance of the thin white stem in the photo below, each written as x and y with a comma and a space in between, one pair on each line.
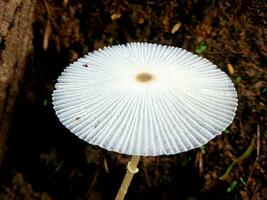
131, 170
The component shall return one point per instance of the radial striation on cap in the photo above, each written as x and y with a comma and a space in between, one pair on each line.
144, 99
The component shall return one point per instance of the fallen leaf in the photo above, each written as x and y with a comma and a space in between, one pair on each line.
115, 16
176, 27
230, 69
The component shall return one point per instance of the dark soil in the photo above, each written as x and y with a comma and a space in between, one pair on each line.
45, 161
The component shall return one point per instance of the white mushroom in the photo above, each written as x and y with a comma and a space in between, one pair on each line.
144, 99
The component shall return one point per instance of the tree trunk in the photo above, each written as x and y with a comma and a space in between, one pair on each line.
16, 17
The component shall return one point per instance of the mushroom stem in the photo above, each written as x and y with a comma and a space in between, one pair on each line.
131, 170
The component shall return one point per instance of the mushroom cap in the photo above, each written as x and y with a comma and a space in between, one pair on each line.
144, 99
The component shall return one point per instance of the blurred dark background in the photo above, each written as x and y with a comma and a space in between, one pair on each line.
43, 160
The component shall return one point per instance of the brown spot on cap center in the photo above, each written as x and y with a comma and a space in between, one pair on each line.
144, 77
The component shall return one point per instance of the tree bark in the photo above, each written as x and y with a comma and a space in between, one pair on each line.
16, 18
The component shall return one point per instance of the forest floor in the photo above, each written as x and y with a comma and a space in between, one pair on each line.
44, 161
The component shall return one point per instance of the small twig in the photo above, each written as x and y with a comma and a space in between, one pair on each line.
258, 141
258, 155
92, 184
213, 53
240, 159
146, 174
105, 163
49, 15
47, 34
199, 162
252, 171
